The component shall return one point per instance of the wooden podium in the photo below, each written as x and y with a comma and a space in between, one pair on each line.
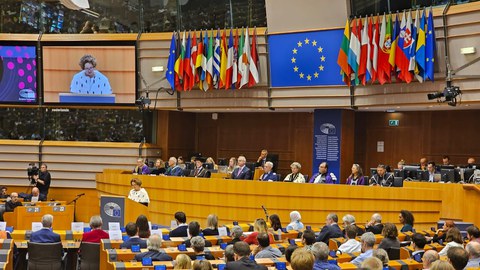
23, 216
120, 209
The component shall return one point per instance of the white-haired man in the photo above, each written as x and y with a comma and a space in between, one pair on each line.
268, 174
45, 235
173, 169
154, 246
242, 171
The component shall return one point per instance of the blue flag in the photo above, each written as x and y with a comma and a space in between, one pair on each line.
430, 48
171, 63
305, 59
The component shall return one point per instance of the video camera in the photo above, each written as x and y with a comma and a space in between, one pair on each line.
31, 171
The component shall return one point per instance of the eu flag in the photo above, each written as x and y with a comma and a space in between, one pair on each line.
305, 59
171, 63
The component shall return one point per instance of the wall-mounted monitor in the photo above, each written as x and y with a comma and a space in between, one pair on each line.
18, 72
87, 73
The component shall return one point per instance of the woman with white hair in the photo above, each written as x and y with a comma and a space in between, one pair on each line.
295, 223
295, 176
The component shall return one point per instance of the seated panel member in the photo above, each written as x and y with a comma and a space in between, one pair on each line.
199, 170
132, 231
173, 169
154, 246
431, 169
295, 176
45, 235
159, 167
242, 171
3, 192
446, 160
323, 176
356, 178
423, 163
36, 196
141, 167
382, 178
13, 203
268, 174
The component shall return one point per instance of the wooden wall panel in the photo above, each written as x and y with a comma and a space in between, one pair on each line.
347, 142
181, 133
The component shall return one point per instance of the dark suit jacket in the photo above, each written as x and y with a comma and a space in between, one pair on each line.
10, 206
375, 229
207, 256
44, 236
244, 174
41, 197
155, 255
203, 173
271, 158
329, 231
244, 263
359, 230
134, 241
180, 231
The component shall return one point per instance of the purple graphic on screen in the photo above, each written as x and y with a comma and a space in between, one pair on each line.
18, 74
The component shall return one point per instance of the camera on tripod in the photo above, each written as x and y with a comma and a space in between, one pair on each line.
31, 171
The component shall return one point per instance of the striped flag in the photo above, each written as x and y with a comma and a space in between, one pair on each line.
420, 50
209, 78
223, 61
244, 68
354, 52
186, 65
364, 49
179, 64
239, 61
412, 64
216, 60
385, 43
193, 60
254, 76
230, 54
342, 59
374, 48
235, 61
198, 62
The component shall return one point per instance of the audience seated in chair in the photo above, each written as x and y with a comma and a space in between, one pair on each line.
143, 227
264, 250
302, 259
132, 231
96, 234
330, 230
473, 249
194, 230
198, 245
154, 246
182, 226
212, 226
45, 235
320, 251
237, 233
242, 260
382, 255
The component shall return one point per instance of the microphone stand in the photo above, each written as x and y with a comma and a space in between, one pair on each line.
74, 201
266, 213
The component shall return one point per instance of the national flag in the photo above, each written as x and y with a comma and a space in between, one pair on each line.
235, 61
411, 52
223, 61
430, 46
420, 50
385, 45
193, 60
216, 61
230, 54
396, 32
209, 76
170, 74
179, 64
203, 77
354, 52
199, 61
363, 75
186, 65
253, 76
245, 61
374, 47
402, 55
342, 59
239, 61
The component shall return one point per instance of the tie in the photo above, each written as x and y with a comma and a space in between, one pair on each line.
239, 171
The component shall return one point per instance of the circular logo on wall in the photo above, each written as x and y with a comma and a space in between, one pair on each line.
328, 129
112, 209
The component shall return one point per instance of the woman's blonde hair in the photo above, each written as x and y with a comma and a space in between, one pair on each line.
212, 221
260, 225
183, 261
202, 265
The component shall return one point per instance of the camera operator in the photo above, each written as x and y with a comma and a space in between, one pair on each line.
42, 180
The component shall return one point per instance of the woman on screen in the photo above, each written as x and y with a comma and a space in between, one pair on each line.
90, 80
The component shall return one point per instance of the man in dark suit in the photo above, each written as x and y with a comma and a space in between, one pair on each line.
132, 231
194, 230
242, 260
418, 243
154, 246
375, 225
182, 226
242, 171
45, 235
264, 157
173, 169
11, 204
268, 174
199, 171
330, 230
350, 220
36, 196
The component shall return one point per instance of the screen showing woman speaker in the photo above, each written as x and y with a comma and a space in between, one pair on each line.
90, 74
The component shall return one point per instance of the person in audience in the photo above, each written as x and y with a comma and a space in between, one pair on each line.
258, 227
382, 178
173, 169
390, 234
275, 222
350, 220
323, 176
473, 234
406, 218
212, 225
368, 241
429, 257
308, 238
382, 255
418, 243
3, 192
242, 260
237, 233
445, 160
264, 250
159, 167
137, 193
45, 235
202, 265
242, 171
356, 178
372, 263
132, 231
288, 252
302, 259
295, 221
141, 167
96, 234
11, 204
400, 164
268, 174
454, 239
194, 230
182, 226
330, 230
441, 265
473, 249
154, 246
183, 261
232, 165
229, 254
35, 196
351, 245
210, 160
180, 160
199, 170
440, 234
423, 163
198, 245
295, 176
431, 169
320, 252
458, 257
143, 226
375, 224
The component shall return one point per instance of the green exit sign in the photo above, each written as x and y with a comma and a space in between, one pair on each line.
393, 123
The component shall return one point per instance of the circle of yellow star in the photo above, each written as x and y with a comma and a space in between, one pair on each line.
294, 51
309, 78
295, 68
307, 41
320, 49
301, 75
294, 60
315, 74
321, 67
299, 44
322, 58
314, 43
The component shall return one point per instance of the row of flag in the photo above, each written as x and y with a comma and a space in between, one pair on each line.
212, 62
379, 51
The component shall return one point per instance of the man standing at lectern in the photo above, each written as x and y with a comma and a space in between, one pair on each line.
43, 180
